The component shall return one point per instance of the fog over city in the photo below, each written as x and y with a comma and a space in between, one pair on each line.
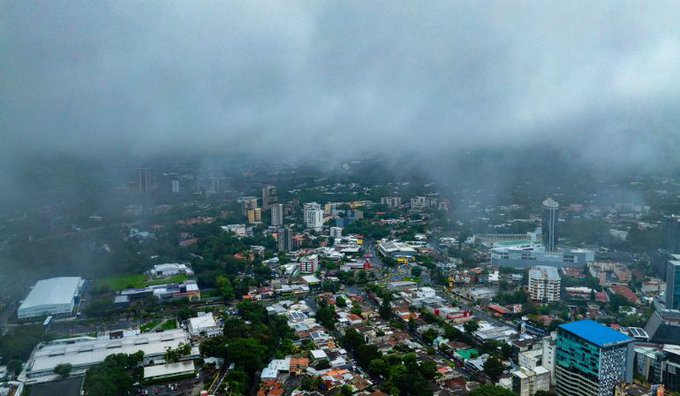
339, 198
290, 78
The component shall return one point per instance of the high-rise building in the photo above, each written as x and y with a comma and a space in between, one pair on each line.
590, 359
269, 196
277, 214
544, 284
143, 179
247, 204
175, 186
392, 202
254, 215
671, 233
313, 216
284, 240
549, 224
673, 284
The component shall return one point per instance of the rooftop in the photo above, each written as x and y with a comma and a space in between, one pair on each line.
52, 291
169, 369
596, 333
544, 272
86, 351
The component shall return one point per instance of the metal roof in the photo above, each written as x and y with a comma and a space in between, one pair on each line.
596, 333
52, 291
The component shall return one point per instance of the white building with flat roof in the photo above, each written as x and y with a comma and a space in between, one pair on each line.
313, 216
85, 352
528, 381
170, 269
204, 325
54, 296
169, 370
544, 284
396, 249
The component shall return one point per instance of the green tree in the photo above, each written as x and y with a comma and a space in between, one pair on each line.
352, 339
247, 354
311, 384
379, 367
366, 353
238, 382
326, 316
385, 309
340, 302
322, 364
14, 366
112, 377
412, 324
173, 355
429, 335
63, 369
416, 271
225, 287
346, 390
491, 390
471, 326
213, 346
252, 312
428, 369
493, 368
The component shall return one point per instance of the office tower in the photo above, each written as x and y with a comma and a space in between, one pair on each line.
549, 225
248, 203
277, 214
269, 196
143, 179
671, 234
544, 284
175, 186
590, 359
673, 284
284, 240
313, 216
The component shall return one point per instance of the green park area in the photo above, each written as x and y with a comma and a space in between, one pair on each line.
126, 281
169, 324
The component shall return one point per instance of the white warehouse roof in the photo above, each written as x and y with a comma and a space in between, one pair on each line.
84, 352
51, 292
169, 369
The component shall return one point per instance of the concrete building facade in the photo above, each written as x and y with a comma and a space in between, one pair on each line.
277, 215
313, 216
528, 381
544, 284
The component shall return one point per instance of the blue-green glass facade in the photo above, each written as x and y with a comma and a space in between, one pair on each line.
576, 353
590, 359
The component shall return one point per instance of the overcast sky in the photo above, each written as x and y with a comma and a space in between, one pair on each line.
250, 76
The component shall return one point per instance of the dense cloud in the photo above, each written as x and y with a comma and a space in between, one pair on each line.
264, 77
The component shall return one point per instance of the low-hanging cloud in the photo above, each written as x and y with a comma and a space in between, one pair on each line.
336, 77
